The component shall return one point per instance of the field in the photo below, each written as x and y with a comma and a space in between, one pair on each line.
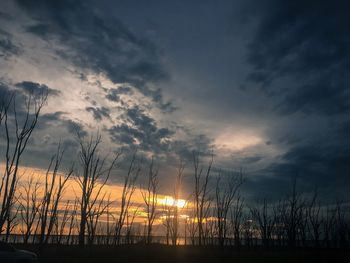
182, 254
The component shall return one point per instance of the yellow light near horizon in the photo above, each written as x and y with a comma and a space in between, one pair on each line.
169, 201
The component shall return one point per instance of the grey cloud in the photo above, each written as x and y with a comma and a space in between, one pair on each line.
141, 130
60, 119
99, 112
300, 55
201, 144
325, 165
36, 88
52, 117
74, 127
4, 90
125, 134
7, 46
166, 107
113, 93
96, 43
251, 159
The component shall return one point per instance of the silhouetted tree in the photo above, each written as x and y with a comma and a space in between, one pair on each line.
201, 195
18, 130
150, 197
315, 219
293, 215
93, 179
174, 219
29, 207
97, 209
225, 193
236, 218
129, 188
54, 187
130, 218
263, 215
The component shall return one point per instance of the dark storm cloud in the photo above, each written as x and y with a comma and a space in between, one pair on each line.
113, 94
59, 119
250, 159
99, 112
124, 134
20, 95
52, 117
298, 54
93, 42
184, 148
74, 127
36, 88
7, 46
4, 90
158, 98
199, 143
141, 130
271, 188
344, 130
301, 55
325, 165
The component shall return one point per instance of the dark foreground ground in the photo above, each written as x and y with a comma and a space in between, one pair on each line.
183, 254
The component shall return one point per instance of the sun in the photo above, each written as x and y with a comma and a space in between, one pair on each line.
169, 201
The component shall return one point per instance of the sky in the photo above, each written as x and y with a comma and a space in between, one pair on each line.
263, 85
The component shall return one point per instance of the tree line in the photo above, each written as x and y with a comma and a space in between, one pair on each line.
33, 211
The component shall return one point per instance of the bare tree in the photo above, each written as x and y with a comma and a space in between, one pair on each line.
236, 216
191, 225
293, 214
167, 221
201, 195
341, 225
129, 188
130, 218
109, 226
61, 224
91, 182
279, 211
96, 211
5, 102
225, 194
328, 225
174, 219
72, 220
54, 188
263, 215
315, 219
150, 197
12, 221
29, 206
16, 145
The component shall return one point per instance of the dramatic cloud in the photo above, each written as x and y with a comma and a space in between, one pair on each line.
101, 45
113, 93
36, 88
300, 53
261, 86
7, 47
99, 113
141, 130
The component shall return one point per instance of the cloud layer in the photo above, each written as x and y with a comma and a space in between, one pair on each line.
263, 86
